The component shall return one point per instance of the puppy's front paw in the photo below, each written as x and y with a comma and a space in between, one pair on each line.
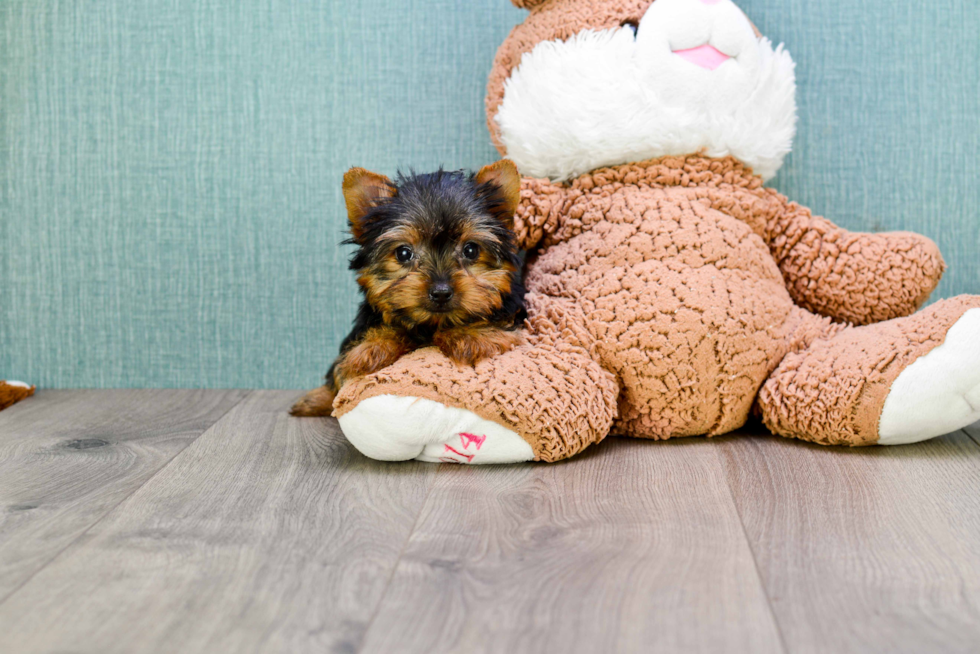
470, 345
379, 348
366, 358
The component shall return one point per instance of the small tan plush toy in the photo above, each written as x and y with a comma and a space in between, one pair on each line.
12, 392
670, 293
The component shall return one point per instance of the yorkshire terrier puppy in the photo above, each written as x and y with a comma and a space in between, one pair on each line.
437, 264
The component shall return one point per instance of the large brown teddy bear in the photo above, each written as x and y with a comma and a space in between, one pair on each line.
670, 292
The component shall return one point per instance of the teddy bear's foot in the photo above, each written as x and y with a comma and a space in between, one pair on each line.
939, 392
892, 382
395, 428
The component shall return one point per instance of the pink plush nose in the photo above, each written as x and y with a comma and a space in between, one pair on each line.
706, 56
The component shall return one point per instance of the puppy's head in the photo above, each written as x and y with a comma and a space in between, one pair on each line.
435, 249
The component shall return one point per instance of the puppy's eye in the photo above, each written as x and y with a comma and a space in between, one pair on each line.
403, 254
471, 251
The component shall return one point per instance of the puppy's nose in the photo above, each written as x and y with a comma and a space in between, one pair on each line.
441, 292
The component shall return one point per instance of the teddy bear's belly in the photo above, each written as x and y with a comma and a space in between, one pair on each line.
688, 309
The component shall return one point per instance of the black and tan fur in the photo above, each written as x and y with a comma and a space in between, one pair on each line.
437, 265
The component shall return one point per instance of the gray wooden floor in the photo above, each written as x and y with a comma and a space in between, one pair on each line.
210, 521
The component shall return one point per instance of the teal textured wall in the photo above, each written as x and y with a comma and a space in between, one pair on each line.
171, 170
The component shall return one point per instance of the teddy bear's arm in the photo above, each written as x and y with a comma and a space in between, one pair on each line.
539, 211
854, 277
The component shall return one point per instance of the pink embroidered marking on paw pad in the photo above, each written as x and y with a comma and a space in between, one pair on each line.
467, 439
468, 457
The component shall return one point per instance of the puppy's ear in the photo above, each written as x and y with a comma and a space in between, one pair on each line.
505, 177
528, 4
364, 190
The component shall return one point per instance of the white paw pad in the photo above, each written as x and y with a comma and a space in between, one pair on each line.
939, 392
395, 428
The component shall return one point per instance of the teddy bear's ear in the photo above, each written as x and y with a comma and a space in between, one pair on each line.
364, 190
528, 4
505, 177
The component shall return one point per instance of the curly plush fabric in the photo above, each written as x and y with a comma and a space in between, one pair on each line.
863, 278
660, 304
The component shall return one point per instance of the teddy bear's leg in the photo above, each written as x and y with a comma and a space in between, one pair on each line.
900, 381
546, 399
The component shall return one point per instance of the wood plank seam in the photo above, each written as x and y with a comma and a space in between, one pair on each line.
876, 534
71, 544
613, 537
975, 437
398, 560
755, 559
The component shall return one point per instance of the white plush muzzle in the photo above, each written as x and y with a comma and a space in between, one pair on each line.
693, 78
